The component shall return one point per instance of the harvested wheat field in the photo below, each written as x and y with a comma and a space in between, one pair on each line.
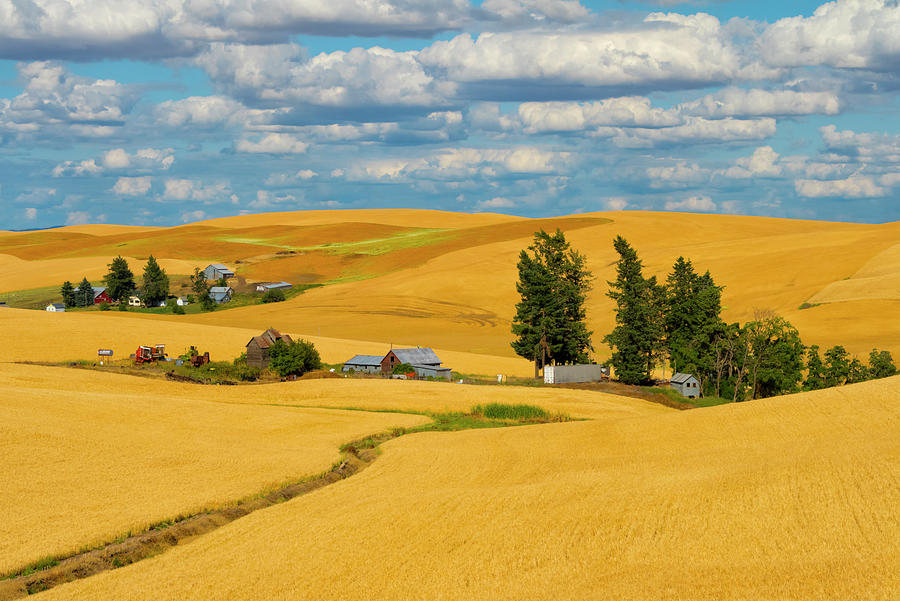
447, 280
785, 498
89, 456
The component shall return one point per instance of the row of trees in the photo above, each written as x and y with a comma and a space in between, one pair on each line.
675, 323
120, 285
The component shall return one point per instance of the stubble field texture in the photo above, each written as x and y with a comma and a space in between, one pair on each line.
787, 498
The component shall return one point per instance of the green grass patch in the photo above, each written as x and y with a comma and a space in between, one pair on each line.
808, 305
520, 412
43, 563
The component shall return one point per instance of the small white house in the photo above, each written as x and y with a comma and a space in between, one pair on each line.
182, 301
56, 308
134, 301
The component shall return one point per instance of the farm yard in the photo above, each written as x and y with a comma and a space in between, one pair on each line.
791, 497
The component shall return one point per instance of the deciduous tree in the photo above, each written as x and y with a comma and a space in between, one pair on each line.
881, 364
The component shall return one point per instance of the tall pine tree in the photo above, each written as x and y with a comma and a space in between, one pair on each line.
119, 280
815, 369
84, 295
635, 337
549, 324
156, 283
68, 294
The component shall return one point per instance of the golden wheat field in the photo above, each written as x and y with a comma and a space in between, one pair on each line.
787, 498
446, 280
89, 456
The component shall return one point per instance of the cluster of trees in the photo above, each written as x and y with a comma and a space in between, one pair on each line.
675, 323
678, 322
120, 285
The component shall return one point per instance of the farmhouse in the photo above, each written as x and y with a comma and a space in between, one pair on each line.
273, 286
221, 294
217, 271
370, 364
686, 384
258, 347
424, 362
56, 308
100, 295
182, 301
134, 301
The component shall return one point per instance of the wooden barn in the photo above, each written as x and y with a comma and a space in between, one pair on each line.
217, 271
258, 347
100, 295
424, 362
686, 384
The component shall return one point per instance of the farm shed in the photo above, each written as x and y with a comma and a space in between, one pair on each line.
273, 286
424, 361
100, 295
370, 364
258, 347
134, 301
561, 374
221, 294
216, 271
56, 308
686, 384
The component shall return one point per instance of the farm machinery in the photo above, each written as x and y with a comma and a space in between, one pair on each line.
150, 354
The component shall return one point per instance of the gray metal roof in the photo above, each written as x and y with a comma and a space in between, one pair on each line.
218, 266
680, 378
277, 285
219, 289
417, 356
98, 290
58, 305
364, 360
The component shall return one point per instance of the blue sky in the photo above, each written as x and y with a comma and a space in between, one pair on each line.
161, 112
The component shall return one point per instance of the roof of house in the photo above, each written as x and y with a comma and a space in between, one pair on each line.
417, 356
220, 289
364, 360
58, 305
98, 290
276, 285
219, 266
680, 378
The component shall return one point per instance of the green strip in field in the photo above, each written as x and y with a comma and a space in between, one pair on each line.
372, 246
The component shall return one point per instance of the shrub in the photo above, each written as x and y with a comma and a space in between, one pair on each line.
403, 368
177, 309
273, 296
123, 305
505, 411
104, 306
295, 358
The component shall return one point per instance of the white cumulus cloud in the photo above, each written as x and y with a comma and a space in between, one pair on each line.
272, 144
132, 186
694, 204
855, 186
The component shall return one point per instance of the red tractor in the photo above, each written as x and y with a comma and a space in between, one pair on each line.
150, 354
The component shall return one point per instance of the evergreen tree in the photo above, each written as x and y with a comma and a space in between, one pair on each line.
857, 372
84, 295
635, 336
68, 294
201, 289
693, 305
549, 324
837, 366
119, 280
881, 364
156, 283
815, 370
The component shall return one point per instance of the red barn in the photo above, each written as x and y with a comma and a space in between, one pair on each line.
100, 295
